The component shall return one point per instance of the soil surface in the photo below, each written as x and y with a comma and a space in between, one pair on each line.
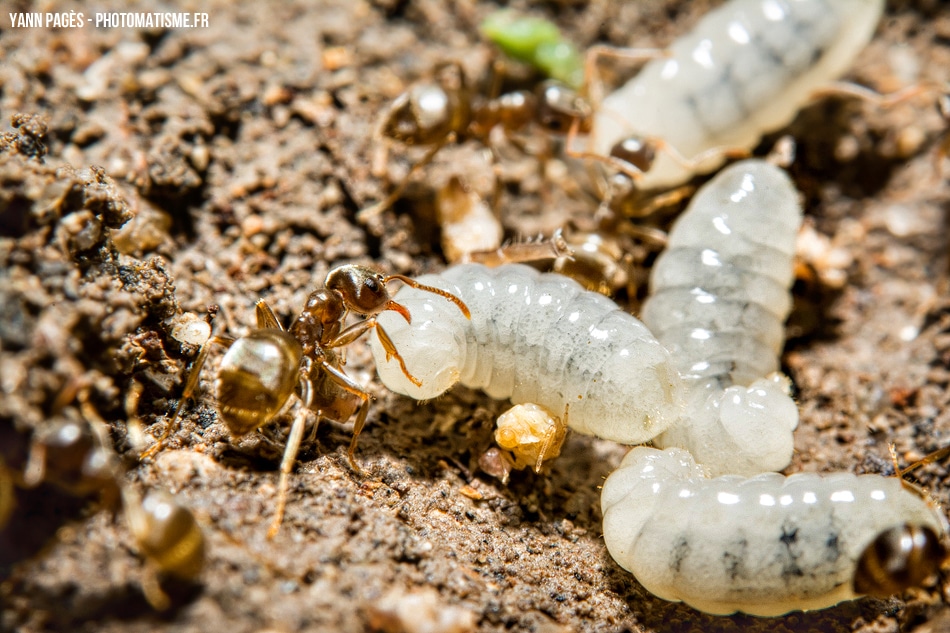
148, 174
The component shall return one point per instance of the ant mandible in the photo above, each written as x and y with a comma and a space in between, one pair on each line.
261, 370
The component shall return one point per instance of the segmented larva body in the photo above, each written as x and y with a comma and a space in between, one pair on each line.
534, 338
720, 296
746, 69
765, 545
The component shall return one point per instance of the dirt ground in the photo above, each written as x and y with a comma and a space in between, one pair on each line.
146, 173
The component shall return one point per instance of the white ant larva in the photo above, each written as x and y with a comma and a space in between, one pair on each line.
720, 296
746, 69
769, 544
538, 338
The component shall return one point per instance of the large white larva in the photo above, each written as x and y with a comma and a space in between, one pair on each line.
746, 69
765, 545
535, 338
719, 299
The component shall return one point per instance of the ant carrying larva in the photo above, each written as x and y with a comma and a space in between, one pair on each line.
262, 370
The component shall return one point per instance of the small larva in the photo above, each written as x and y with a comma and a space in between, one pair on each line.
719, 299
769, 544
535, 338
746, 69
531, 434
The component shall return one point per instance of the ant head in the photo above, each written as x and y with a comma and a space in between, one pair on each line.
559, 107
636, 151
899, 558
363, 290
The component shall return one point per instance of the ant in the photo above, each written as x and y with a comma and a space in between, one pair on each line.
168, 536
72, 456
261, 370
436, 114
906, 555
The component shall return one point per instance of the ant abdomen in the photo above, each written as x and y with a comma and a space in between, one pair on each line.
257, 376
168, 535
425, 114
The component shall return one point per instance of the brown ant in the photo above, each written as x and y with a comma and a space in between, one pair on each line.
904, 556
436, 114
169, 538
898, 559
72, 456
261, 370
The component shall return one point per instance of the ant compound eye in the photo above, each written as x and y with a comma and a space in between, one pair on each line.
372, 284
362, 289
637, 151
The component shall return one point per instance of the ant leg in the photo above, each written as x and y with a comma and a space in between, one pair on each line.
524, 252
133, 424
348, 384
373, 210
692, 163
152, 589
553, 439
695, 162
351, 333
651, 205
391, 352
847, 89
359, 328
938, 454
35, 470
943, 141
139, 527
7, 494
189, 389
546, 443
498, 70
442, 293
290, 457
266, 319
595, 87
857, 91
653, 236
357, 429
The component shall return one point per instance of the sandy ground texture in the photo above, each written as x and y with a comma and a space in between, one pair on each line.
149, 174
